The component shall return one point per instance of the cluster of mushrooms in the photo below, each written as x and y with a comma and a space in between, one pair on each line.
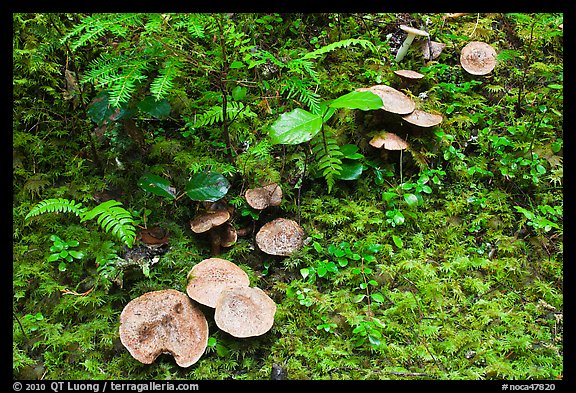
476, 58
172, 322
280, 236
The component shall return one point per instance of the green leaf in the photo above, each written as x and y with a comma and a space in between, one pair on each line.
207, 186
159, 109
351, 170
398, 241
76, 254
157, 186
238, 93
411, 199
350, 151
295, 127
363, 100
377, 297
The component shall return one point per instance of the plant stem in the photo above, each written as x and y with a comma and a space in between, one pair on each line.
521, 88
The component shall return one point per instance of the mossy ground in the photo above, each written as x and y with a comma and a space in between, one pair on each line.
463, 286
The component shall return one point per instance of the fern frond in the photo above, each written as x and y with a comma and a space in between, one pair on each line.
56, 205
339, 44
327, 156
299, 89
113, 218
97, 25
235, 111
163, 83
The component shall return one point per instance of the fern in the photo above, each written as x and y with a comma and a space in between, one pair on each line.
56, 205
235, 111
97, 25
164, 82
115, 219
298, 88
327, 157
111, 216
338, 45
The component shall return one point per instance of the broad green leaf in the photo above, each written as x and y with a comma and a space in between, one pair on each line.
238, 93
157, 186
207, 186
295, 127
411, 199
350, 151
378, 297
363, 100
159, 109
398, 241
351, 170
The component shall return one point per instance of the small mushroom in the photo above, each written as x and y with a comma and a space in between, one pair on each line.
210, 222
412, 32
280, 237
244, 312
164, 321
388, 141
478, 58
262, 197
431, 50
393, 101
209, 278
153, 237
423, 119
409, 75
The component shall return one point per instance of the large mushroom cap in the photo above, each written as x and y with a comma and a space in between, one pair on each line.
210, 277
165, 321
393, 101
423, 119
209, 220
262, 197
280, 237
245, 312
388, 141
478, 58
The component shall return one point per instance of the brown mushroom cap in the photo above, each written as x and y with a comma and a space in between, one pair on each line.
388, 141
209, 220
262, 197
423, 119
393, 101
280, 237
478, 58
409, 74
210, 277
245, 312
165, 321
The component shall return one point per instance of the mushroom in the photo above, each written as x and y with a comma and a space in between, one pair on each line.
393, 101
408, 76
388, 141
210, 277
244, 312
412, 32
262, 197
210, 222
431, 50
280, 237
478, 58
423, 119
164, 321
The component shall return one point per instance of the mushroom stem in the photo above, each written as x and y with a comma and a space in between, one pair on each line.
404, 48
